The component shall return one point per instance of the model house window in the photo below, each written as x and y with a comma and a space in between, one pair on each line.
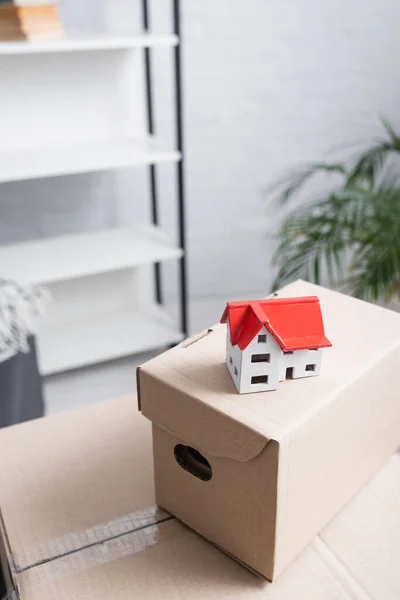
236, 371
288, 352
257, 358
262, 338
230, 359
313, 349
310, 367
260, 379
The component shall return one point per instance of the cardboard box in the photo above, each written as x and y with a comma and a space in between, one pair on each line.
58, 475
261, 474
64, 474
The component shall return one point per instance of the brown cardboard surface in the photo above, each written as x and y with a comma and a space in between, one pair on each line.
71, 472
243, 531
362, 334
349, 560
355, 557
334, 432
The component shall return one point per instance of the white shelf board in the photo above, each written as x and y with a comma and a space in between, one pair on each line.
88, 44
81, 157
79, 255
104, 337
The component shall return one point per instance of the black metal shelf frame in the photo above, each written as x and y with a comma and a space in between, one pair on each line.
180, 190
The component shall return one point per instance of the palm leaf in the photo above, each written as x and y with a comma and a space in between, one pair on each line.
369, 165
393, 136
293, 182
358, 223
376, 264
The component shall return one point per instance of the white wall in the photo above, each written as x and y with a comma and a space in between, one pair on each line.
267, 84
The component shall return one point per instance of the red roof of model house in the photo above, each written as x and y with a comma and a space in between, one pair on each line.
296, 323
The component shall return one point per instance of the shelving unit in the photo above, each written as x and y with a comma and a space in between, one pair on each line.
90, 108
88, 44
74, 256
111, 335
81, 157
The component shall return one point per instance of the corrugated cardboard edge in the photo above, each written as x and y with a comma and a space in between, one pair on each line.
139, 402
195, 338
5, 557
243, 564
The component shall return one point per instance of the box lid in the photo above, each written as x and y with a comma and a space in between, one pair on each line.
189, 392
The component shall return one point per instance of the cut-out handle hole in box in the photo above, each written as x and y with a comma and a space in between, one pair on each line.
193, 462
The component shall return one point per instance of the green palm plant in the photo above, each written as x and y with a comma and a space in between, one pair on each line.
349, 237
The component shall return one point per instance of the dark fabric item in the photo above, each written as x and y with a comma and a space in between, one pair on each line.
2, 586
21, 394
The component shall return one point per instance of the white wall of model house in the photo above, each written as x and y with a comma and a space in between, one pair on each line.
262, 364
267, 84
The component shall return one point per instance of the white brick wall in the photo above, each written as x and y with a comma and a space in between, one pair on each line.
267, 84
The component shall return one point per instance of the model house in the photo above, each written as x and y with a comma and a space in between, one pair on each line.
271, 340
